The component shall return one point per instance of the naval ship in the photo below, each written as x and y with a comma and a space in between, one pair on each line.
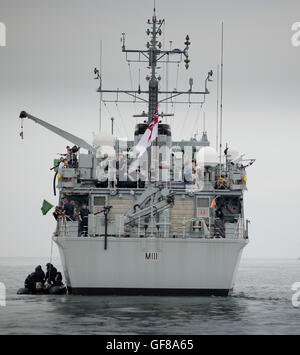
166, 217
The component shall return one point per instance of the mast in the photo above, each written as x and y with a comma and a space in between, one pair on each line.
153, 85
152, 55
153, 82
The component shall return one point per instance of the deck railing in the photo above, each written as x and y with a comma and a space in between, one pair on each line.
217, 229
66, 228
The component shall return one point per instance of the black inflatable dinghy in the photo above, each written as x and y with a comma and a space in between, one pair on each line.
53, 290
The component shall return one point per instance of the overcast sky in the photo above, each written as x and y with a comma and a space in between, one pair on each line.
47, 66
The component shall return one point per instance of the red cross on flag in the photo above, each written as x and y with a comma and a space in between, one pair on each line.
149, 136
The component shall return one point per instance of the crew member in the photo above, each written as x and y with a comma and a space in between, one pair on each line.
50, 274
83, 219
58, 213
188, 171
61, 163
75, 210
39, 274
221, 183
219, 223
65, 164
68, 155
58, 279
71, 156
219, 212
68, 210
29, 282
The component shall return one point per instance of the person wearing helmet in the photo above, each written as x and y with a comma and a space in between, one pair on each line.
221, 183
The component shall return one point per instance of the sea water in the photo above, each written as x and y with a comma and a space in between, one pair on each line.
260, 304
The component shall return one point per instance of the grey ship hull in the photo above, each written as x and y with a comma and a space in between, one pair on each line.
150, 266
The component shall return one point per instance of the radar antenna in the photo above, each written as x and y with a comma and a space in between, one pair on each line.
153, 55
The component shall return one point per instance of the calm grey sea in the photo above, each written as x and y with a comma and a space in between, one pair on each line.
261, 304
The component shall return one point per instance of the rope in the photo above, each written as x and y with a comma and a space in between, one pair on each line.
51, 252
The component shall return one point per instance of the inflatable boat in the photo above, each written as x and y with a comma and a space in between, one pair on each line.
53, 290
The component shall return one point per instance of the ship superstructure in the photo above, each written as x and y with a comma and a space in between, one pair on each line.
168, 222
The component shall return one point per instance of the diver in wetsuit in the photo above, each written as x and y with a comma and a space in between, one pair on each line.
50, 274
36, 277
39, 274
58, 279
29, 282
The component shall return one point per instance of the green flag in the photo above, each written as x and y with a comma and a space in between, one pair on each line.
56, 164
46, 207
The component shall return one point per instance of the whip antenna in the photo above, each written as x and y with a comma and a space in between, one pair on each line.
217, 128
100, 79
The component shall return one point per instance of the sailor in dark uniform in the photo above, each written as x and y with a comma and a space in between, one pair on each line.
219, 222
219, 213
68, 210
83, 219
71, 156
58, 213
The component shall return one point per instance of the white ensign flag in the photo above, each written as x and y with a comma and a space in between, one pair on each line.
149, 136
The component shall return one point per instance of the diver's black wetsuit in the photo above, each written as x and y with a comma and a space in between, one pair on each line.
50, 273
39, 275
30, 282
